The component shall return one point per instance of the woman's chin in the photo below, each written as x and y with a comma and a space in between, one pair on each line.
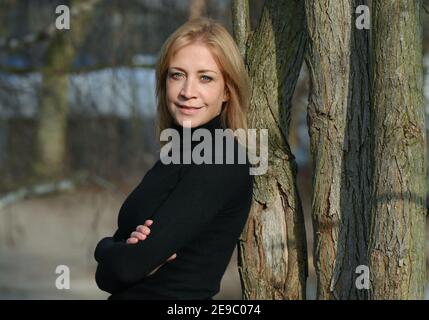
187, 121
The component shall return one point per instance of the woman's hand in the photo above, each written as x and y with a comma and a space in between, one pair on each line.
141, 233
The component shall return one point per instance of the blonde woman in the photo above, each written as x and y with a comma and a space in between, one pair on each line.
177, 230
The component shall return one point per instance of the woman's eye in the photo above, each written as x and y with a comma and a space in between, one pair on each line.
176, 75
206, 78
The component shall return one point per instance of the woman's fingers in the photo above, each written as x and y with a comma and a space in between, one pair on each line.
173, 256
141, 233
138, 235
143, 229
132, 240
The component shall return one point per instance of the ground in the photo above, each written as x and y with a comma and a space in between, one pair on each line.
38, 234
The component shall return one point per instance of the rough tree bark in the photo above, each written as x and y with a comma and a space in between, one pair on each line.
397, 259
338, 120
272, 249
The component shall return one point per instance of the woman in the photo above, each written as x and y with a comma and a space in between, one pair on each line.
177, 230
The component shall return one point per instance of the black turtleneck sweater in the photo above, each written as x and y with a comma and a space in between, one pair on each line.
198, 212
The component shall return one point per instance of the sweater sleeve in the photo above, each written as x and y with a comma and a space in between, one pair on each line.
147, 197
189, 208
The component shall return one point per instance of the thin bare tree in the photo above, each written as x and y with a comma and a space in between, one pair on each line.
53, 103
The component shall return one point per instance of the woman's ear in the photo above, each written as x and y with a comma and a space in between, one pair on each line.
225, 94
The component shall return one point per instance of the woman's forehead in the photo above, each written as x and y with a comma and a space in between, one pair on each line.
194, 57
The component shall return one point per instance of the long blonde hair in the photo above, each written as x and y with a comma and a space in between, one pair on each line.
227, 56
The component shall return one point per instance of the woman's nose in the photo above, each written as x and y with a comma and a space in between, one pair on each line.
188, 89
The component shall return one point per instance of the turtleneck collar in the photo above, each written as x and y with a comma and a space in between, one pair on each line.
181, 144
185, 142
211, 125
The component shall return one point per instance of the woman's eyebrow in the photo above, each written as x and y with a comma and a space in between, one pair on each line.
199, 71
206, 70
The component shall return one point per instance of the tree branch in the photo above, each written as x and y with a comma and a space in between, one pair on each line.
241, 23
95, 67
65, 185
13, 43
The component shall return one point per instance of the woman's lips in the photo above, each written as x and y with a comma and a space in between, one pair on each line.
188, 110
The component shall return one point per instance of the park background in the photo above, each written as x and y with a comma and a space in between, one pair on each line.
55, 216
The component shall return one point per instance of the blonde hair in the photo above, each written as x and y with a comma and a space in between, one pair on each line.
229, 60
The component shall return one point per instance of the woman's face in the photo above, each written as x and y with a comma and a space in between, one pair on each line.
195, 86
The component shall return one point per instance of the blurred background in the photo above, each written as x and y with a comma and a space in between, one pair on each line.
77, 132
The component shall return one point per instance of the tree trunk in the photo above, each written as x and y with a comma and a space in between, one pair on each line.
197, 8
397, 243
272, 248
53, 103
338, 120
51, 126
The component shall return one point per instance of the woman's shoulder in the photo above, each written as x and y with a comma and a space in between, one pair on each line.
220, 161
232, 172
